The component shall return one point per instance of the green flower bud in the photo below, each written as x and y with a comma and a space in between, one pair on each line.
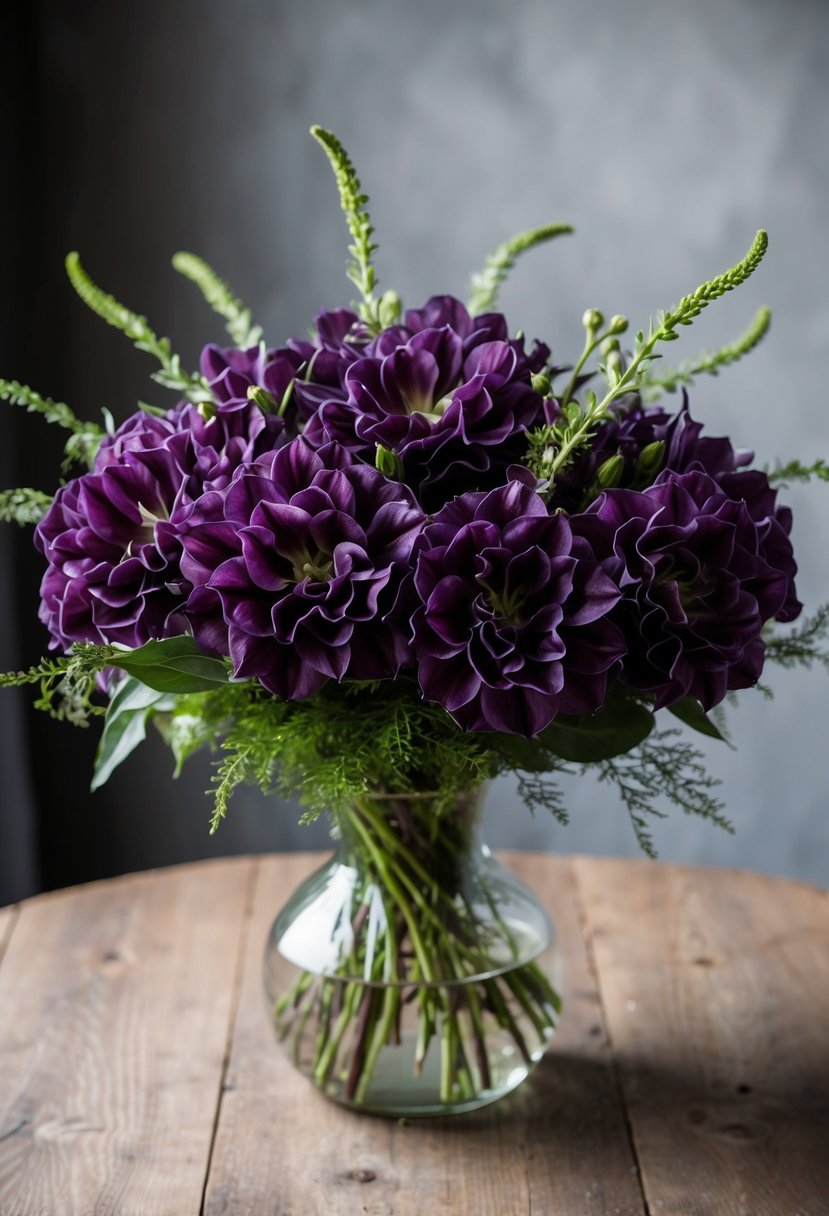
649, 462
618, 324
542, 384
592, 319
608, 345
615, 366
388, 463
610, 473
261, 397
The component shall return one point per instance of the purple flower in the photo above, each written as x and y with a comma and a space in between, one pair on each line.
449, 393
296, 567
113, 573
512, 627
697, 583
231, 372
111, 535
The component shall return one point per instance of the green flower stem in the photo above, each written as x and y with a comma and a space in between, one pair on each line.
428, 948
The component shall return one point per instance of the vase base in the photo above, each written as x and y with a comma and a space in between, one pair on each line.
395, 1093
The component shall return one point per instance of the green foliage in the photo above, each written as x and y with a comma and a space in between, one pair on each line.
85, 437
578, 423
23, 506
804, 645
689, 711
67, 683
355, 207
243, 332
795, 471
344, 743
652, 387
485, 286
613, 730
193, 387
175, 665
125, 726
663, 766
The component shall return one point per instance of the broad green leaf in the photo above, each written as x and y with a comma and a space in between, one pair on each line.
587, 738
173, 665
689, 711
125, 726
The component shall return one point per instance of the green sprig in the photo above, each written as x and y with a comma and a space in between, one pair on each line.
796, 471
23, 506
138, 330
578, 423
85, 437
708, 363
219, 296
355, 207
485, 285
67, 683
663, 766
804, 645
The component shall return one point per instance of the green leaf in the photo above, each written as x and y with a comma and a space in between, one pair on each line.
173, 665
125, 726
689, 711
585, 739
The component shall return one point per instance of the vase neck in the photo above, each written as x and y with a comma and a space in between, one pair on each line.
416, 822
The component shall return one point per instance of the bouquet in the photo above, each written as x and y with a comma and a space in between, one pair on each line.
380, 565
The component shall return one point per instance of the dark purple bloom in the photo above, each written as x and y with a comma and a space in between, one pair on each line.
450, 394
110, 535
230, 373
512, 627
296, 567
113, 571
697, 584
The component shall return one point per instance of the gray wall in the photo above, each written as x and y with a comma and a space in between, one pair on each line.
667, 133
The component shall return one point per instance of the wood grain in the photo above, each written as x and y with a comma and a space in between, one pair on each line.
115, 1004
715, 986
557, 1145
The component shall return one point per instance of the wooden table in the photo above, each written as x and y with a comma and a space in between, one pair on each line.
689, 1074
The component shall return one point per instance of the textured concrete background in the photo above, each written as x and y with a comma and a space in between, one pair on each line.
667, 133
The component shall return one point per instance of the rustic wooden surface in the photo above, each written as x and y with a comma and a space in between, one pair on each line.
689, 1075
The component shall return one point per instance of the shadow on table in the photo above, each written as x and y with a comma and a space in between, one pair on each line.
571, 1100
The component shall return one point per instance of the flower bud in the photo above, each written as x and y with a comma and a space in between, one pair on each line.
649, 462
388, 463
542, 384
610, 473
261, 397
615, 367
608, 345
592, 319
618, 324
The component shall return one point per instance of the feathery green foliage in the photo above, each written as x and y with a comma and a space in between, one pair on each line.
23, 506
652, 387
193, 387
354, 203
85, 437
485, 285
803, 646
795, 471
346, 742
67, 683
578, 422
217, 293
663, 766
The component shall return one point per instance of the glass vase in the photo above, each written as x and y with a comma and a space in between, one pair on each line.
413, 973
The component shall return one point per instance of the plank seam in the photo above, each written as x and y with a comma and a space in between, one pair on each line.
581, 911
250, 892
